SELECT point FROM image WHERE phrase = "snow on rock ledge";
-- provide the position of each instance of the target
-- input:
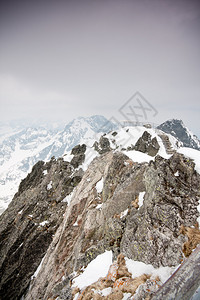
(97, 268)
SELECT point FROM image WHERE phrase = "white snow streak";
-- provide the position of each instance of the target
(49, 186)
(99, 186)
(141, 198)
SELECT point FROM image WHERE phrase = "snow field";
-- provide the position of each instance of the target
(99, 267)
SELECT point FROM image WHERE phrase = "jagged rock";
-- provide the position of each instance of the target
(113, 219)
(79, 156)
(149, 234)
(143, 142)
(148, 289)
(147, 145)
(28, 225)
(102, 146)
(167, 144)
(152, 234)
(79, 149)
(153, 147)
(185, 281)
(97, 229)
(114, 133)
(33, 178)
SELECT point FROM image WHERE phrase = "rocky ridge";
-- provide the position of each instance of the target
(142, 211)
(96, 222)
(31, 220)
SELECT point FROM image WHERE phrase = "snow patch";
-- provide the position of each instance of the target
(45, 172)
(68, 156)
(141, 199)
(44, 223)
(99, 186)
(193, 154)
(138, 156)
(123, 213)
(105, 292)
(68, 198)
(49, 186)
(137, 268)
(127, 296)
(38, 269)
(198, 219)
(99, 206)
(96, 268)
(90, 154)
(76, 296)
(75, 224)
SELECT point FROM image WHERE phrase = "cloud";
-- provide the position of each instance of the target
(18, 99)
(88, 57)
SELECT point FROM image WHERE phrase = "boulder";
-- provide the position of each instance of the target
(79, 155)
(147, 145)
(102, 146)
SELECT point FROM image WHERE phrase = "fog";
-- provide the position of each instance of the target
(63, 59)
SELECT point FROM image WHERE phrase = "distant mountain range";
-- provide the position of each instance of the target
(21, 148)
(113, 218)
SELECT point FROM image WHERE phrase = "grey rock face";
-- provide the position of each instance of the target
(79, 149)
(184, 282)
(32, 218)
(152, 234)
(147, 145)
(112, 220)
(79, 156)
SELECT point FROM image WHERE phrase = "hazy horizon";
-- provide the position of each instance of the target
(64, 59)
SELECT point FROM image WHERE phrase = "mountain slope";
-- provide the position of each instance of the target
(21, 149)
(122, 194)
(119, 205)
(181, 132)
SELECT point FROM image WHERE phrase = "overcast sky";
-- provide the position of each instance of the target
(63, 59)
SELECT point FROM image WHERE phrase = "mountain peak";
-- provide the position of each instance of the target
(177, 128)
(97, 123)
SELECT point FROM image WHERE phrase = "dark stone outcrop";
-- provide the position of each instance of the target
(102, 146)
(147, 145)
(32, 218)
(180, 132)
(33, 179)
(79, 155)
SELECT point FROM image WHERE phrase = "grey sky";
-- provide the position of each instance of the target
(61, 59)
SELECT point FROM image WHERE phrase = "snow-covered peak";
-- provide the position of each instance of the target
(178, 129)
(21, 147)
(95, 123)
